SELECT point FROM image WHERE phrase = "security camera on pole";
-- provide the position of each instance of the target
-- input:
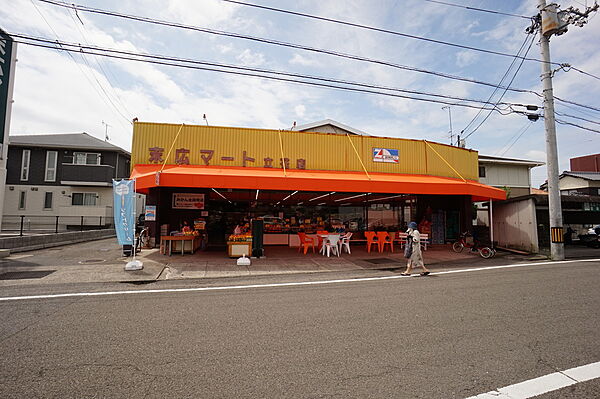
(554, 22)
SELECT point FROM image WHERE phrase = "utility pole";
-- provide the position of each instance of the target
(450, 117)
(554, 23)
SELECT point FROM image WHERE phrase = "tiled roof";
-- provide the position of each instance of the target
(583, 175)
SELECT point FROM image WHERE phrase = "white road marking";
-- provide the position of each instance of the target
(301, 283)
(545, 383)
(15, 257)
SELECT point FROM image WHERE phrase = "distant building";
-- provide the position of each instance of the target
(577, 183)
(329, 126)
(513, 175)
(68, 176)
(588, 163)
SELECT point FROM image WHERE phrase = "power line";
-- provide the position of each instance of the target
(509, 83)
(576, 125)
(283, 44)
(474, 9)
(578, 104)
(297, 46)
(79, 48)
(577, 117)
(517, 139)
(81, 70)
(585, 73)
(497, 87)
(177, 63)
(372, 28)
(98, 61)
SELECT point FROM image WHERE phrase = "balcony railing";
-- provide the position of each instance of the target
(87, 173)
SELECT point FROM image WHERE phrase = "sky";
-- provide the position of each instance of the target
(60, 93)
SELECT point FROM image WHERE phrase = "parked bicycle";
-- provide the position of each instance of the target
(462, 243)
(142, 239)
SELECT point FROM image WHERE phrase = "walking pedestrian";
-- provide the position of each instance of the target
(413, 251)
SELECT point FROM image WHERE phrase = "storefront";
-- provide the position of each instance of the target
(217, 179)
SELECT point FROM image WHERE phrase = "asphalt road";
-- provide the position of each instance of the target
(442, 336)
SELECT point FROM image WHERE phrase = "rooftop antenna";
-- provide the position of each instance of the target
(293, 125)
(205, 120)
(450, 117)
(106, 126)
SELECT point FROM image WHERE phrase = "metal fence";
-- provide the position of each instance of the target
(39, 224)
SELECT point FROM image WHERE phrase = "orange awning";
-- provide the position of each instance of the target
(307, 180)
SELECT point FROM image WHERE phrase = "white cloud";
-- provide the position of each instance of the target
(300, 110)
(249, 58)
(465, 58)
(536, 155)
(211, 13)
(298, 59)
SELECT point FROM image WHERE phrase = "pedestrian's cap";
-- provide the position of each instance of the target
(412, 225)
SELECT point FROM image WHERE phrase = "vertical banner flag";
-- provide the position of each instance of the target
(124, 208)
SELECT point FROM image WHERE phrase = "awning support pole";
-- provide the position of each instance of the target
(491, 225)
(282, 156)
(446, 162)
(171, 149)
(358, 156)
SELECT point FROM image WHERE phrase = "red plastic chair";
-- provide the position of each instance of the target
(383, 237)
(305, 242)
(371, 237)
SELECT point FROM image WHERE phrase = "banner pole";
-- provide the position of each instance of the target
(134, 264)
(134, 220)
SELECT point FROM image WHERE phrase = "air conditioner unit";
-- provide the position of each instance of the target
(11, 188)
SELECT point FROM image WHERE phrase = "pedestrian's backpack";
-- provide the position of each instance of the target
(408, 247)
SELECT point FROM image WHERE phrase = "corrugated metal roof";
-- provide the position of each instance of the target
(80, 141)
(492, 159)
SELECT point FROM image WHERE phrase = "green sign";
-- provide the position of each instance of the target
(6, 49)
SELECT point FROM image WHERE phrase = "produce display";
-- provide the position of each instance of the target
(240, 238)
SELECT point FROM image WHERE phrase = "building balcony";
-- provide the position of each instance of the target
(87, 175)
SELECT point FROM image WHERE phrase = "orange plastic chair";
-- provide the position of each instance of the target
(371, 239)
(305, 242)
(321, 238)
(383, 237)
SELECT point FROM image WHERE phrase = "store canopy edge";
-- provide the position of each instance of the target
(307, 180)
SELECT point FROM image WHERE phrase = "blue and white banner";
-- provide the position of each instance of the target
(124, 208)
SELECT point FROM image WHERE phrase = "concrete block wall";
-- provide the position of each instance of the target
(33, 242)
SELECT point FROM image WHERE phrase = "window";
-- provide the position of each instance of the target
(48, 200)
(25, 165)
(86, 158)
(84, 199)
(482, 171)
(51, 157)
(22, 199)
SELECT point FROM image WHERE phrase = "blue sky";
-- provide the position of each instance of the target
(55, 93)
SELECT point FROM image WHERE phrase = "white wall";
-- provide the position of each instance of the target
(505, 175)
(570, 183)
(515, 225)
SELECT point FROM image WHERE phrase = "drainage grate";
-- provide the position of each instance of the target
(380, 261)
(25, 275)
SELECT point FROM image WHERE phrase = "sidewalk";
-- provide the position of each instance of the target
(101, 261)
